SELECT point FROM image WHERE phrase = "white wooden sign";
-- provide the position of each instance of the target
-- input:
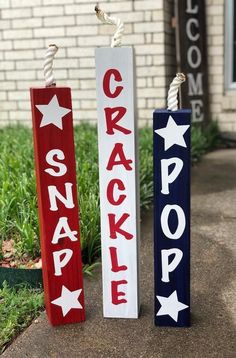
(118, 181)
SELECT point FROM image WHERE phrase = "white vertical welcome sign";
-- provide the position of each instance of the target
(118, 181)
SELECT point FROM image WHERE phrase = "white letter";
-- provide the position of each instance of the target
(166, 267)
(190, 9)
(58, 263)
(190, 35)
(197, 106)
(49, 159)
(181, 221)
(63, 224)
(54, 193)
(167, 179)
(194, 86)
(198, 59)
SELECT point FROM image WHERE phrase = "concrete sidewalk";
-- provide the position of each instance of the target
(213, 331)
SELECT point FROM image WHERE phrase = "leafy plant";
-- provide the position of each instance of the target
(212, 135)
(198, 143)
(18, 206)
(203, 140)
(145, 167)
(18, 306)
(18, 202)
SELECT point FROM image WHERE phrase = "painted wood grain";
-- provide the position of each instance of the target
(118, 168)
(57, 204)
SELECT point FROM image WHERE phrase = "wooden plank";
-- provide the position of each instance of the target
(171, 131)
(191, 52)
(57, 204)
(118, 181)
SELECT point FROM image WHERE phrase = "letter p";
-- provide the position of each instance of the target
(167, 178)
(170, 267)
(60, 263)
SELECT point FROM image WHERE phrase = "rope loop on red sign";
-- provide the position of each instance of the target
(48, 64)
(172, 99)
(103, 17)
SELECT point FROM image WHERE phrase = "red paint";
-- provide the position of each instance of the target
(113, 115)
(118, 151)
(115, 294)
(112, 122)
(114, 261)
(46, 139)
(115, 226)
(110, 192)
(107, 81)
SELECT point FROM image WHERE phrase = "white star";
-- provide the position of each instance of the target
(173, 134)
(68, 300)
(52, 113)
(170, 306)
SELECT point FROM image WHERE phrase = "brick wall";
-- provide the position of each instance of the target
(215, 41)
(170, 51)
(222, 101)
(28, 27)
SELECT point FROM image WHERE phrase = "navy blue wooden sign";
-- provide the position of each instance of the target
(171, 131)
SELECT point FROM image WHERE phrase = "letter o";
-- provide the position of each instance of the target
(181, 221)
(190, 53)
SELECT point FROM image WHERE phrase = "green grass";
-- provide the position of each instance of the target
(18, 206)
(18, 203)
(18, 306)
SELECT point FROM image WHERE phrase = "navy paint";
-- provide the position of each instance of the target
(179, 195)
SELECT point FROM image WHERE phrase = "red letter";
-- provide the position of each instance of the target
(112, 122)
(106, 83)
(115, 227)
(118, 150)
(110, 192)
(115, 293)
(114, 261)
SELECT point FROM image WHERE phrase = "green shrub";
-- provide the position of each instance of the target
(18, 203)
(18, 206)
(203, 140)
(145, 167)
(198, 143)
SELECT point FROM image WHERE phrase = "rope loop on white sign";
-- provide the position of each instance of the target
(47, 66)
(103, 17)
(172, 98)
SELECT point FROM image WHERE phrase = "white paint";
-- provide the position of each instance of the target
(58, 263)
(51, 161)
(52, 113)
(190, 9)
(55, 194)
(181, 221)
(194, 51)
(190, 34)
(68, 300)
(127, 250)
(195, 85)
(67, 232)
(167, 178)
(173, 134)
(197, 107)
(170, 306)
(169, 267)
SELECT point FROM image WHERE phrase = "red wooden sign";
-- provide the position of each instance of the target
(57, 204)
